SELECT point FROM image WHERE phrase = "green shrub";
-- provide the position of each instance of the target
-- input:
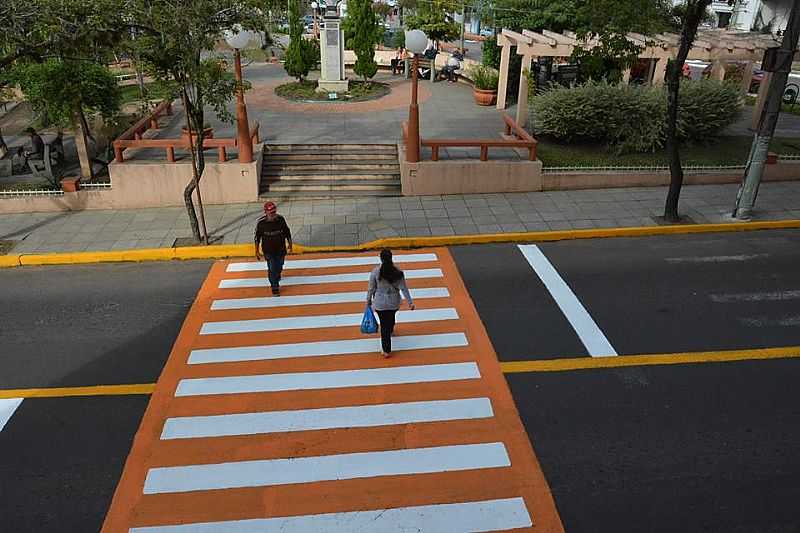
(485, 78)
(632, 118)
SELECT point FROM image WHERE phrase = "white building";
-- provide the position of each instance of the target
(751, 15)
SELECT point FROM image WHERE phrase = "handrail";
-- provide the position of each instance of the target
(148, 122)
(522, 140)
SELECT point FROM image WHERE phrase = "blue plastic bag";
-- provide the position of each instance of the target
(369, 324)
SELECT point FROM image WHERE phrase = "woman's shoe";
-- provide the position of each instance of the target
(386, 355)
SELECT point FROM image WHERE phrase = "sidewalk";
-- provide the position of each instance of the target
(360, 220)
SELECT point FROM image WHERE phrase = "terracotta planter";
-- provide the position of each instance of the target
(483, 97)
(208, 133)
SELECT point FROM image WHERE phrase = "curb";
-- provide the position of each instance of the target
(246, 250)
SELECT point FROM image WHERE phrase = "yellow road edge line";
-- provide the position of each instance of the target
(681, 358)
(508, 367)
(63, 392)
(246, 250)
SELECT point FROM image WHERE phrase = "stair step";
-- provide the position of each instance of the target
(345, 175)
(329, 156)
(338, 148)
(361, 184)
(273, 166)
(322, 195)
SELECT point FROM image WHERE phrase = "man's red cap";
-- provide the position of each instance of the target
(270, 207)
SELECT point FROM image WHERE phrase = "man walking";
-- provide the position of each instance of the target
(272, 234)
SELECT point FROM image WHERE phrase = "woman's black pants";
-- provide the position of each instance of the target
(386, 319)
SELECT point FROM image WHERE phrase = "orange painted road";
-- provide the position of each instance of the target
(278, 414)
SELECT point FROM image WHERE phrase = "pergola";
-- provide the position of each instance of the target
(717, 47)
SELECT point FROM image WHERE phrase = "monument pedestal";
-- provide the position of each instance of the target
(332, 54)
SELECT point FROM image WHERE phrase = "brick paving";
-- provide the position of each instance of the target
(360, 220)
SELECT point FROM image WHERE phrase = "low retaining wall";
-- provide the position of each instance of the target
(468, 176)
(138, 184)
(562, 181)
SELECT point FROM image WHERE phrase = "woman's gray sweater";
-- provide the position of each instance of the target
(385, 296)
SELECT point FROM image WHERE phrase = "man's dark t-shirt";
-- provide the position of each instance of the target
(273, 234)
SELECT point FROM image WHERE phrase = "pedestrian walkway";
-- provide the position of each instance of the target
(360, 220)
(276, 414)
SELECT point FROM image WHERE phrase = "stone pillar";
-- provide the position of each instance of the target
(502, 86)
(660, 71)
(718, 70)
(762, 96)
(332, 54)
(522, 95)
(747, 76)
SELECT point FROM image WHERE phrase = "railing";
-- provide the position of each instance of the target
(523, 140)
(222, 145)
(688, 169)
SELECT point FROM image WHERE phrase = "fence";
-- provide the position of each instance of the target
(522, 140)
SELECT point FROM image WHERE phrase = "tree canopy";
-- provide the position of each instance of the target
(432, 18)
(367, 32)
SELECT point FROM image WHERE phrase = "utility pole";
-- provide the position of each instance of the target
(778, 61)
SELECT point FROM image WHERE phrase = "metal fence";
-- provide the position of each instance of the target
(688, 169)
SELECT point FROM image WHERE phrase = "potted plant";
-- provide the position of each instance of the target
(485, 80)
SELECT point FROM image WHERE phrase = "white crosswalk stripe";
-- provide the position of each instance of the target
(314, 299)
(252, 266)
(243, 283)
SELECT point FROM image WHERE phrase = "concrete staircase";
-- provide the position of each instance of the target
(330, 171)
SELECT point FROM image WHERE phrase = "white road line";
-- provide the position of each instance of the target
(715, 258)
(420, 273)
(361, 416)
(331, 262)
(337, 379)
(7, 408)
(767, 322)
(579, 318)
(315, 349)
(491, 515)
(315, 299)
(776, 296)
(320, 321)
(272, 472)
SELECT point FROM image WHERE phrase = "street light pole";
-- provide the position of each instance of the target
(412, 150)
(243, 126)
(416, 41)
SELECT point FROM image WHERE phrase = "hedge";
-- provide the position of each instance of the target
(632, 118)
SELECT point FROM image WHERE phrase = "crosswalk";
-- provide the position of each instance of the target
(277, 414)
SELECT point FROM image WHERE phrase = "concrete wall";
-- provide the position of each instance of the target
(784, 171)
(468, 176)
(137, 184)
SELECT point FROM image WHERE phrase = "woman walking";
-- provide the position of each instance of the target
(385, 284)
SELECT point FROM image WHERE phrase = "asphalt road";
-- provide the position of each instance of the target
(709, 447)
(61, 458)
(705, 447)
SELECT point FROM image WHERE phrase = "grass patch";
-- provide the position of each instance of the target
(307, 91)
(152, 91)
(6, 246)
(722, 151)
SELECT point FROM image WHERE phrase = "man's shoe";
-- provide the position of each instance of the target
(276, 291)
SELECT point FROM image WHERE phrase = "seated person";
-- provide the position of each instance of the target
(57, 147)
(398, 61)
(453, 64)
(37, 145)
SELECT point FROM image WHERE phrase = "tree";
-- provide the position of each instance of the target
(432, 18)
(64, 91)
(691, 14)
(173, 38)
(368, 32)
(83, 32)
(301, 54)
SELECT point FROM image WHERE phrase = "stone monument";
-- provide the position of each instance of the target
(332, 78)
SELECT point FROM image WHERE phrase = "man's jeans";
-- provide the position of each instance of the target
(275, 265)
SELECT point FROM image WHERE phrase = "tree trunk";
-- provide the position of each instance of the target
(81, 128)
(694, 14)
(190, 187)
(3, 145)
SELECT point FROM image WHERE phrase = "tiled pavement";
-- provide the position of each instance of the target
(353, 221)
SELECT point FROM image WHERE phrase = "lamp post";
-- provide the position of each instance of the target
(237, 40)
(416, 42)
(314, 8)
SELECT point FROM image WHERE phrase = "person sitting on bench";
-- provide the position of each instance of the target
(398, 62)
(36, 153)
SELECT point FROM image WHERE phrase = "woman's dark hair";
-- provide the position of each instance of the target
(389, 271)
